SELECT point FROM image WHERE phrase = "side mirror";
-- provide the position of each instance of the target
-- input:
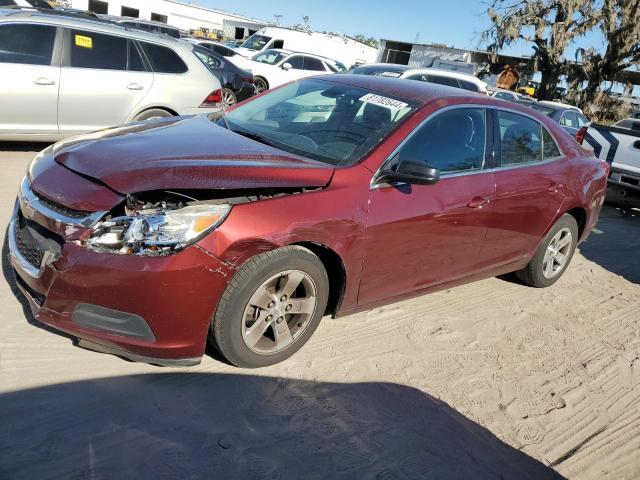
(287, 66)
(411, 172)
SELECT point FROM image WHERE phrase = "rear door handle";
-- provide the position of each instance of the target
(478, 202)
(43, 81)
(135, 86)
(554, 187)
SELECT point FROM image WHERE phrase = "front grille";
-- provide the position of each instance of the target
(56, 207)
(33, 240)
(28, 249)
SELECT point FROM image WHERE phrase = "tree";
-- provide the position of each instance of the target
(619, 22)
(549, 25)
(371, 41)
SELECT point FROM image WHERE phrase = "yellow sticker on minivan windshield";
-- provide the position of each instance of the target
(84, 42)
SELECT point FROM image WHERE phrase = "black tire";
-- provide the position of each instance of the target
(261, 85)
(533, 273)
(152, 113)
(227, 322)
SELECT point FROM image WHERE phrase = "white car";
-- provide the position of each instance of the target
(275, 67)
(64, 74)
(560, 105)
(431, 75)
(511, 96)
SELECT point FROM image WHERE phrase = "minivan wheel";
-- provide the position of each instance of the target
(553, 255)
(151, 114)
(228, 98)
(271, 307)
(261, 85)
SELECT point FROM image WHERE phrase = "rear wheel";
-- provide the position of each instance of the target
(228, 98)
(271, 307)
(151, 114)
(261, 85)
(553, 255)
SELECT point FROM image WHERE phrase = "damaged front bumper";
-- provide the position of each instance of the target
(151, 309)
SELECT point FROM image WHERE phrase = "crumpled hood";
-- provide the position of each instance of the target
(184, 153)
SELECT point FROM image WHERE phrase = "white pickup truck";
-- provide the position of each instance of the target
(619, 145)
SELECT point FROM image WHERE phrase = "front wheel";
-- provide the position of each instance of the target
(553, 255)
(271, 307)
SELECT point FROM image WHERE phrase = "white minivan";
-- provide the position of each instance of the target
(343, 49)
(62, 75)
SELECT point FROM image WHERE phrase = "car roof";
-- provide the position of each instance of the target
(388, 67)
(57, 18)
(447, 73)
(422, 92)
(559, 105)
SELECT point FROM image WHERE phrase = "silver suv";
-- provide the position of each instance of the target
(66, 74)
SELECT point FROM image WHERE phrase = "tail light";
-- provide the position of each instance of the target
(580, 135)
(212, 99)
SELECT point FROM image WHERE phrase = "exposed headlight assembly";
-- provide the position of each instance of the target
(157, 231)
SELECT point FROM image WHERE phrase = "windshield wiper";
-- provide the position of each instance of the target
(253, 136)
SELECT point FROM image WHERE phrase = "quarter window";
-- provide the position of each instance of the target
(569, 119)
(520, 139)
(452, 141)
(27, 44)
(549, 147)
(163, 59)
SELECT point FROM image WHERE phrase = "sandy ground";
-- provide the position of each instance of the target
(488, 380)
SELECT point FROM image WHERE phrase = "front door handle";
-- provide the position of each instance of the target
(478, 202)
(554, 187)
(43, 81)
(135, 86)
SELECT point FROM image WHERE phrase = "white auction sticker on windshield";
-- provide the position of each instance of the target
(381, 101)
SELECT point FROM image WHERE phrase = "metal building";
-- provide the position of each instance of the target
(185, 16)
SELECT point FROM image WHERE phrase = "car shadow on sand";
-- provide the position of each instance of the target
(615, 243)
(202, 425)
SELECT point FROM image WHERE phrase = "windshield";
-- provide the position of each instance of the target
(256, 42)
(331, 122)
(270, 57)
(210, 60)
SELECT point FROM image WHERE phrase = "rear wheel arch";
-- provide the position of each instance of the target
(580, 214)
(170, 111)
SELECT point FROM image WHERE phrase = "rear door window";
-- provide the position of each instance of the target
(163, 59)
(296, 62)
(452, 141)
(97, 50)
(136, 64)
(472, 87)
(26, 44)
(520, 139)
(311, 63)
(441, 80)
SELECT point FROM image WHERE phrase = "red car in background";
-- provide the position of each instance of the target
(326, 196)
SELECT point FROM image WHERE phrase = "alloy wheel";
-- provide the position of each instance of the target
(557, 254)
(279, 311)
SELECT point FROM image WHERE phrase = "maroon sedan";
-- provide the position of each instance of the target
(324, 197)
